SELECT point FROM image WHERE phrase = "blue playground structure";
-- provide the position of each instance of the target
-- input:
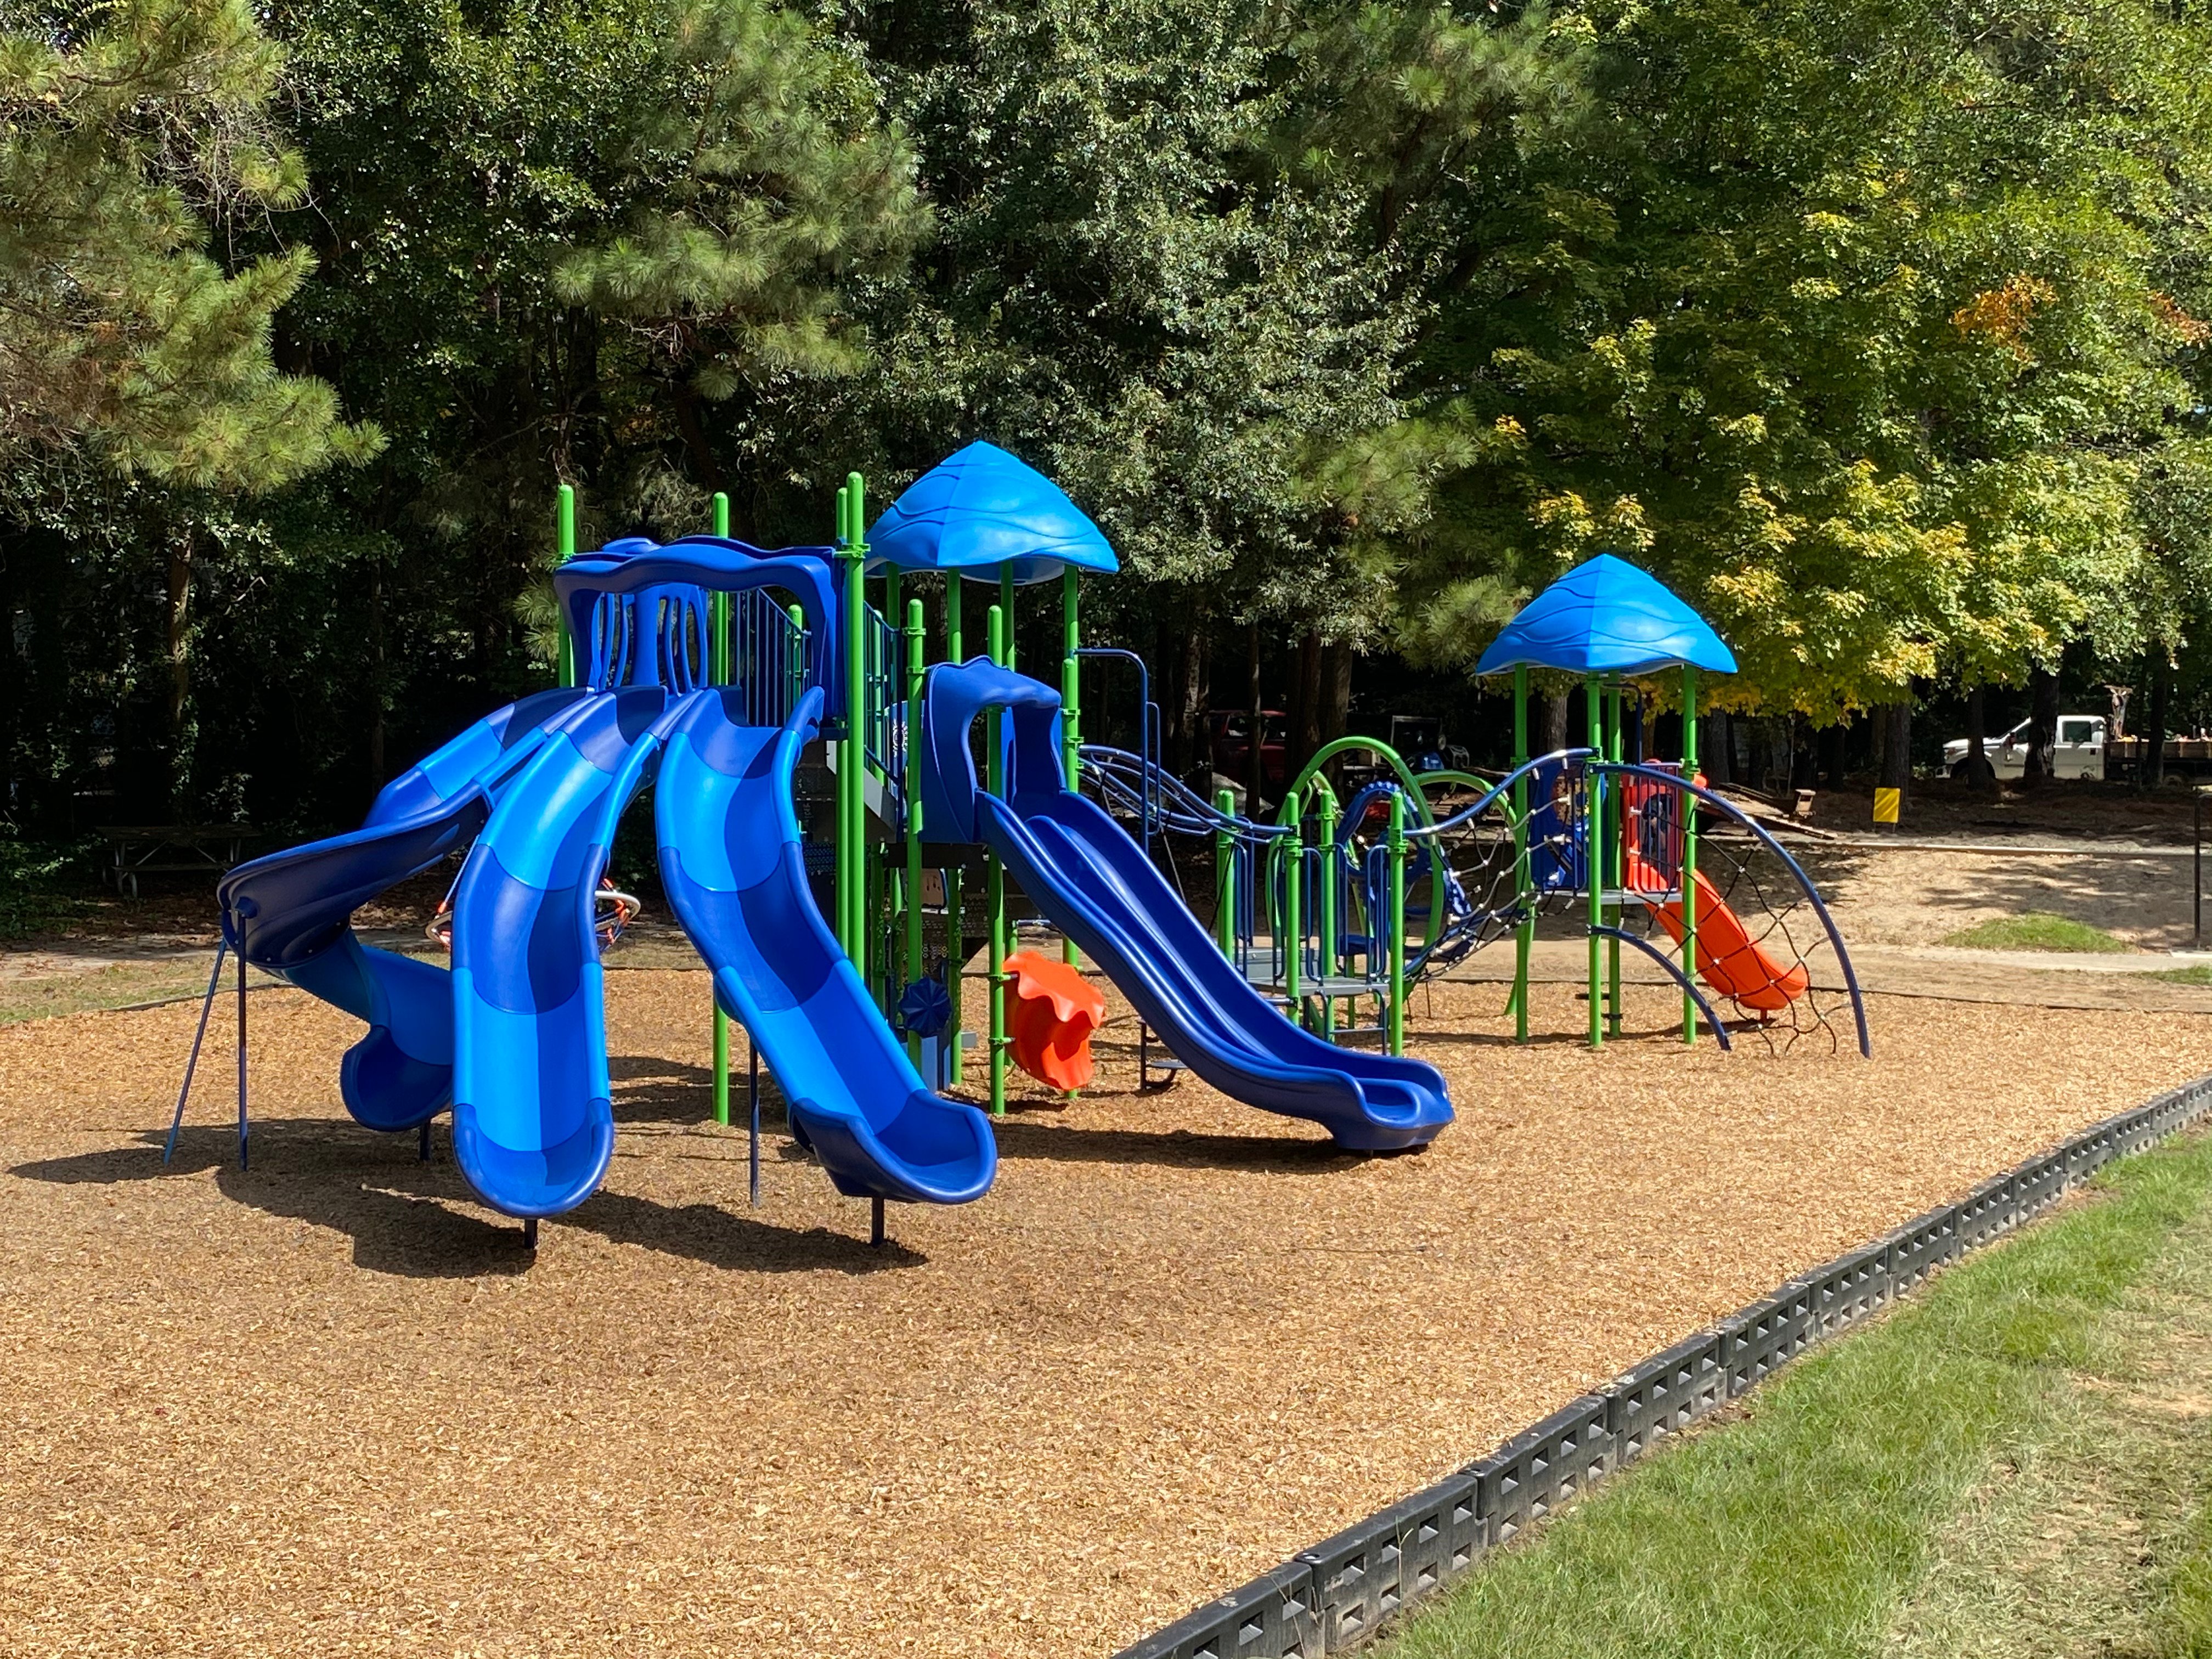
(811, 773)
(1375, 878)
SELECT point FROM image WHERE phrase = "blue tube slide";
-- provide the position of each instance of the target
(731, 862)
(289, 914)
(1082, 870)
(533, 1125)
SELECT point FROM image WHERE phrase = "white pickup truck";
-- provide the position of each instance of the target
(2078, 753)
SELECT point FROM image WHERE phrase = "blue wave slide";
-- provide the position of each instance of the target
(1093, 882)
(290, 913)
(730, 863)
(533, 1120)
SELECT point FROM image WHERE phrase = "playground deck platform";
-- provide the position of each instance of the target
(329, 1406)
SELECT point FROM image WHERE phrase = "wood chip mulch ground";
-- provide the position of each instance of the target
(331, 1407)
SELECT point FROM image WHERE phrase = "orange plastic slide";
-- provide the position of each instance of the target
(1729, 960)
(1055, 1012)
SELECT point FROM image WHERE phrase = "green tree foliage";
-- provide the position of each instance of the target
(1841, 317)
(127, 129)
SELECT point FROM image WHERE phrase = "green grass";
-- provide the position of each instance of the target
(2036, 930)
(1809, 1527)
(2199, 974)
(40, 884)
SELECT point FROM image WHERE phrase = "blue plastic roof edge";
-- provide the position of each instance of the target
(981, 509)
(1607, 616)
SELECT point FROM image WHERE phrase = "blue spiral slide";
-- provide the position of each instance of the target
(730, 863)
(290, 914)
(1081, 870)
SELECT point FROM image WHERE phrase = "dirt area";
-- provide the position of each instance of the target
(2069, 807)
(329, 1407)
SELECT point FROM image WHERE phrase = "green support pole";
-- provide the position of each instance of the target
(564, 544)
(718, 673)
(1325, 830)
(1689, 851)
(1616, 827)
(1524, 931)
(1225, 882)
(852, 760)
(1290, 931)
(916, 644)
(956, 930)
(994, 888)
(1594, 852)
(1397, 1033)
(1071, 708)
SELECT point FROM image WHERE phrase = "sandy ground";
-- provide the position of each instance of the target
(329, 1407)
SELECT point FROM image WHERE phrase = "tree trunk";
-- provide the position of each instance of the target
(1895, 766)
(1184, 699)
(1551, 722)
(1831, 754)
(2043, 727)
(1980, 774)
(1305, 706)
(178, 638)
(1335, 696)
(1717, 749)
(379, 688)
(2153, 727)
(1255, 742)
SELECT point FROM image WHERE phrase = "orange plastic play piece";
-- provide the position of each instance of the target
(1055, 1012)
(1729, 960)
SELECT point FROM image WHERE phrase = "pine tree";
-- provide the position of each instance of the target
(127, 128)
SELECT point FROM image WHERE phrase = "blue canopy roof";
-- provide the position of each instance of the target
(1605, 616)
(982, 508)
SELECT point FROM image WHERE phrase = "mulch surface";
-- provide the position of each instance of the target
(329, 1407)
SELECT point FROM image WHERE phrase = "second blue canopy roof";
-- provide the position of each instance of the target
(1607, 616)
(982, 508)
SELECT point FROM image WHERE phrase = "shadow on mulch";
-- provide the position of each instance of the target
(398, 1212)
(1172, 1148)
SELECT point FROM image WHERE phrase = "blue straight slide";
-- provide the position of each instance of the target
(289, 914)
(1082, 870)
(533, 1122)
(731, 862)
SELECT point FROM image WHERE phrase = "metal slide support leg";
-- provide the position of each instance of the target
(876, 1222)
(752, 1146)
(241, 1059)
(529, 1234)
(192, 1065)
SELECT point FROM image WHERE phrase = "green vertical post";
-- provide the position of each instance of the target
(916, 646)
(1524, 885)
(718, 673)
(1397, 957)
(1224, 877)
(1326, 834)
(956, 930)
(1290, 927)
(994, 887)
(1593, 851)
(1070, 707)
(564, 546)
(852, 760)
(1616, 828)
(1689, 882)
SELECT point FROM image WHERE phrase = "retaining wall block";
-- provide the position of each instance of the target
(1669, 1391)
(1765, 1335)
(2087, 1153)
(1921, 1246)
(1273, 1617)
(1533, 1473)
(1986, 1212)
(1848, 1289)
(2133, 1131)
(1359, 1579)
(2037, 1184)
